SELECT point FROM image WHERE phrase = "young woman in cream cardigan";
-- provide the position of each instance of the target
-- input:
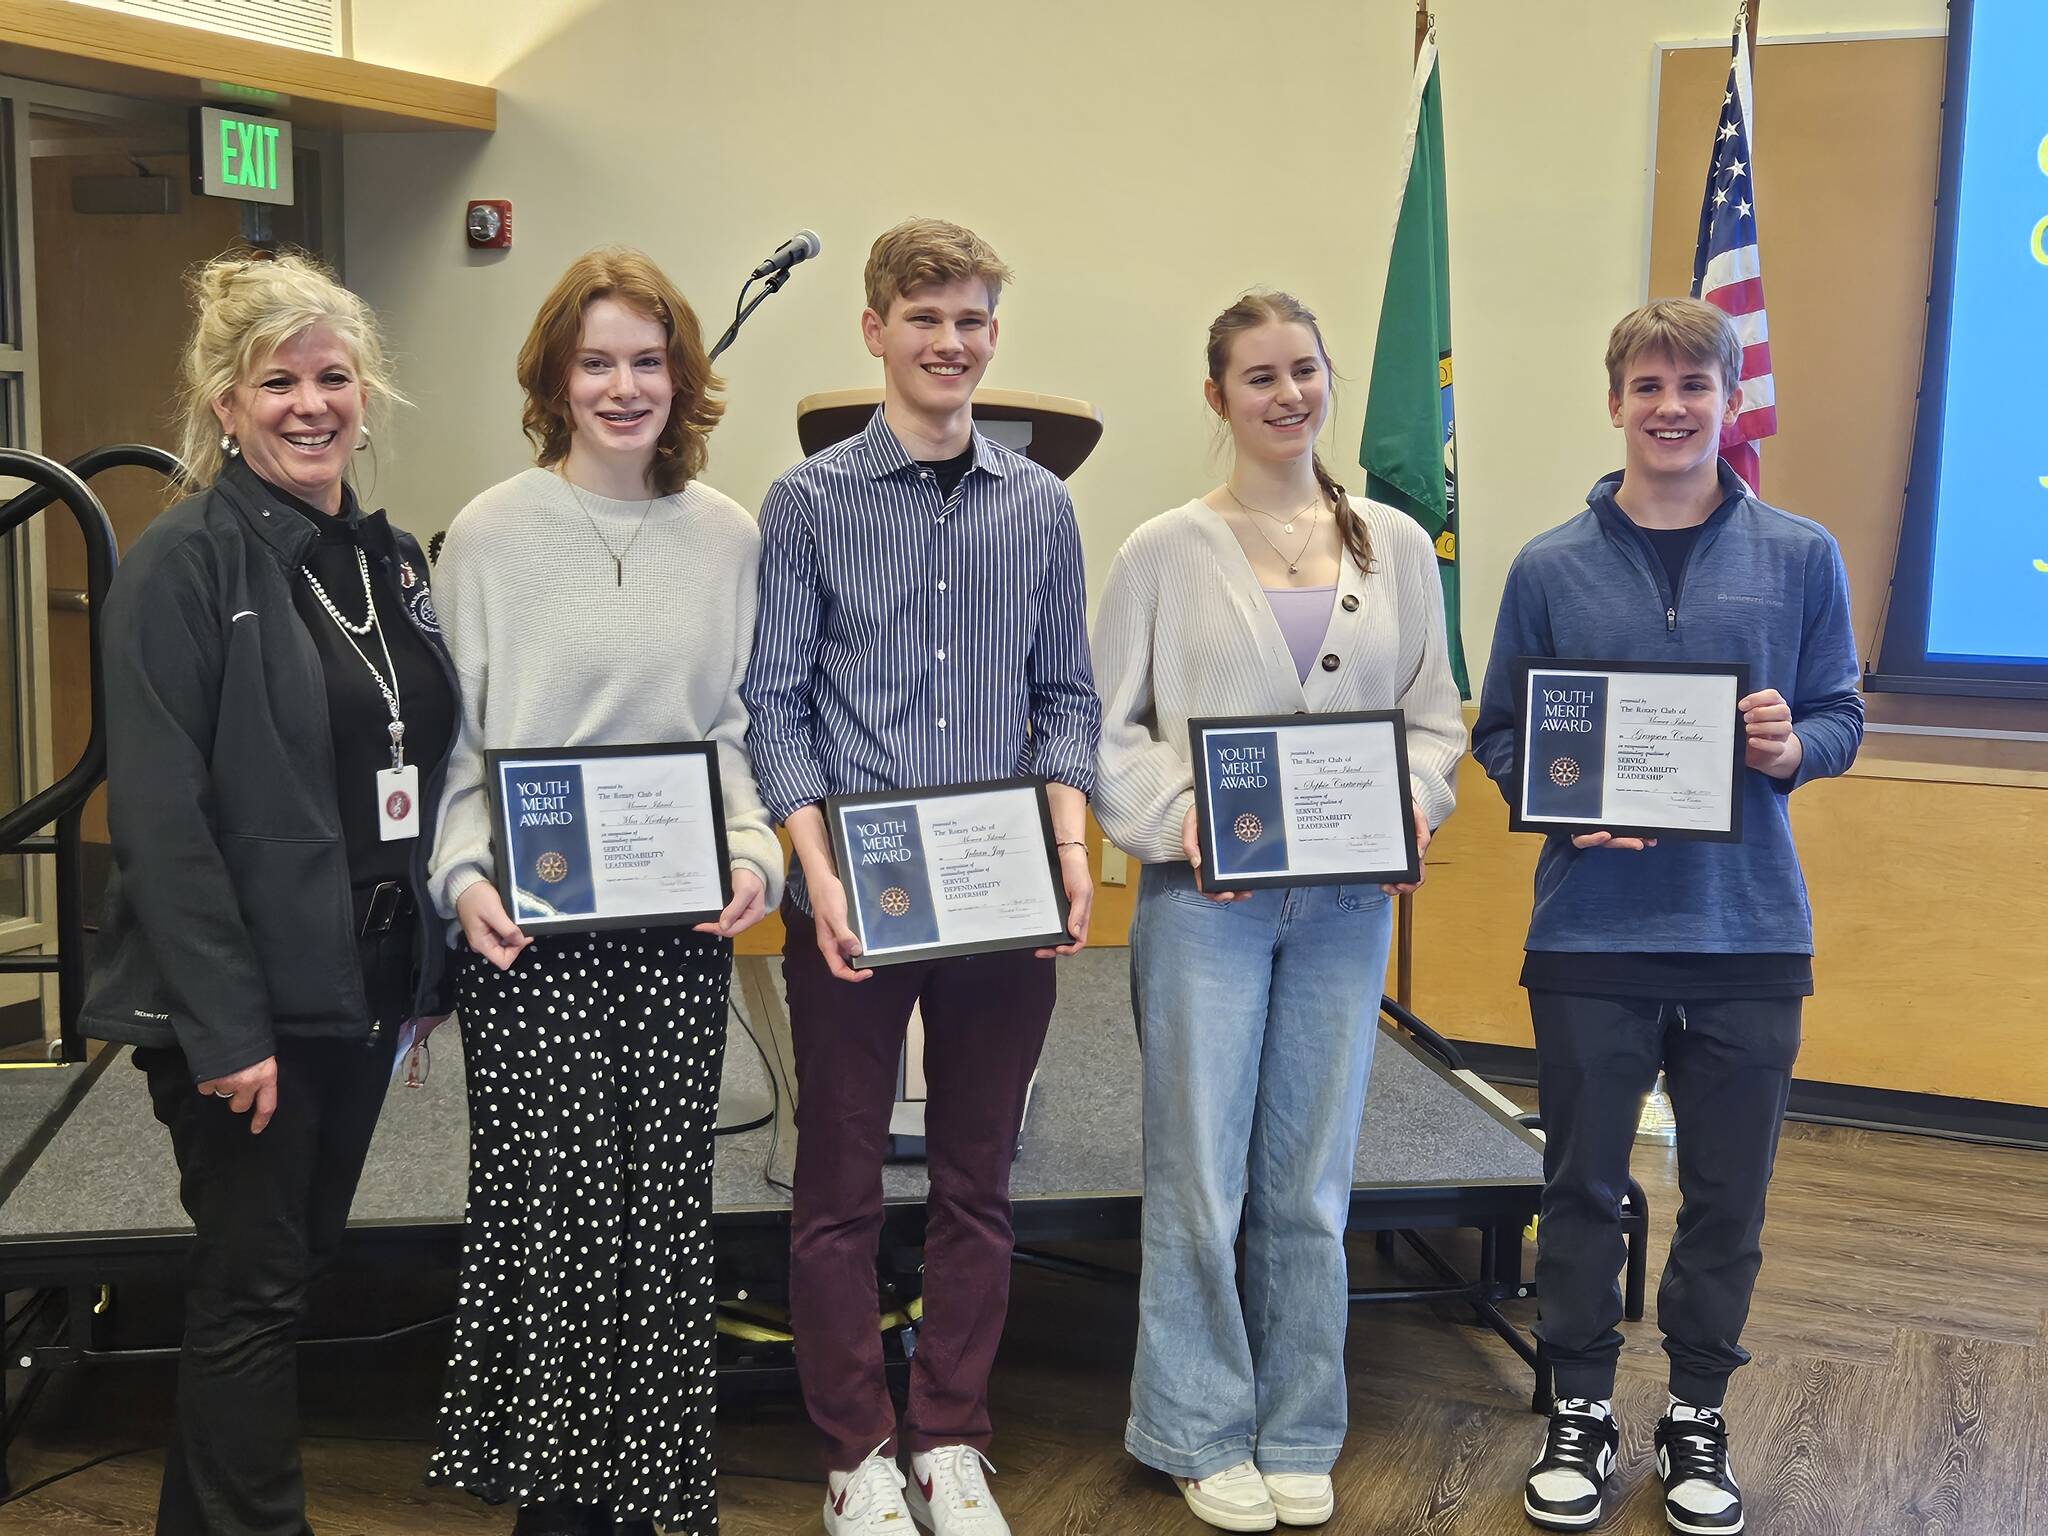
(1275, 593)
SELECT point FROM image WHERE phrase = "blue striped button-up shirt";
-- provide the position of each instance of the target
(905, 639)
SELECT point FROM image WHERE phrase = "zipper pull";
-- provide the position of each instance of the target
(1670, 621)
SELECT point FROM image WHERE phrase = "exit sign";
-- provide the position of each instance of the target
(241, 155)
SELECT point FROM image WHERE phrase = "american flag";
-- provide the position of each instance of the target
(1726, 271)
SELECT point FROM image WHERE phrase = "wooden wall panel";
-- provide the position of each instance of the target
(1930, 930)
(1930, 903)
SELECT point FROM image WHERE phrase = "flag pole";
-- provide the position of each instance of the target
(1750, 11)
(1404, 906)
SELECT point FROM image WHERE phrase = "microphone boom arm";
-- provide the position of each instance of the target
(742, 309)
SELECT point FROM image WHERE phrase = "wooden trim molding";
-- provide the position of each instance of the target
(86, 47)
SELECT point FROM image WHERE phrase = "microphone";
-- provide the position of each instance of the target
(801, 246)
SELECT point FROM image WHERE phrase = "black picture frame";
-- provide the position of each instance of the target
(1200, 728)
(836, 807)
(1518, 821)
(498, 759)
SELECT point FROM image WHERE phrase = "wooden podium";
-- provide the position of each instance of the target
(1052, 430)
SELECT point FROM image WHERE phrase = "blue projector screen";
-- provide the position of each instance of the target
(1990, 591)
(1970, 594)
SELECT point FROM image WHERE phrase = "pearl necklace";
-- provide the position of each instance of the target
(333, 612)
(392, 702)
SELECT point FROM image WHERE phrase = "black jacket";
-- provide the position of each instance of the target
(229, 920)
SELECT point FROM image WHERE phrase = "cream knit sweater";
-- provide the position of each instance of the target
(552, 652)
(1184, 631)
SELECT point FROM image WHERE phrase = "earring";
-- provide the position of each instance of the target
(363, 441)
(229, 446)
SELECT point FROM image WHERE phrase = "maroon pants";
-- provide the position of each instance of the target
(984, 1021)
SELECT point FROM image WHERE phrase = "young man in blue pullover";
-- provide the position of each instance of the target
(1689, 956)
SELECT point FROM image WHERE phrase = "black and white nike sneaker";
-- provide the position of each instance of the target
(1568, 1482)
(1700, 1495)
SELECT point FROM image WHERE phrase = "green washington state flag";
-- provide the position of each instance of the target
(1410, 449)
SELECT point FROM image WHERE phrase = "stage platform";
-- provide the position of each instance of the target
(104, 1182)
(34, 1097)
(91, 1198)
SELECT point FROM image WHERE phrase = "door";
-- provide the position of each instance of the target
(101, 228)
(111, 321)
(27, 884)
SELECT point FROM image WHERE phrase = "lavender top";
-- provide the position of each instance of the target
(1303, 614)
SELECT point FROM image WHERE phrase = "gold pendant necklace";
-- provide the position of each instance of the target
(1289, 520)
(1293, 564)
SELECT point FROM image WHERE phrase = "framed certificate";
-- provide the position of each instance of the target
(1640, 749)
(609, 837)
(960, 870)
(1303, 800)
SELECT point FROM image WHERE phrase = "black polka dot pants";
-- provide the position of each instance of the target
(583, 1359)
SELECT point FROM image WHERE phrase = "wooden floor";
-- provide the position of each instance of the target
(1900, 1385)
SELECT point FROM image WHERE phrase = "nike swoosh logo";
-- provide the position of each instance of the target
(924, 1486)
(246, 613)
(839, 1500)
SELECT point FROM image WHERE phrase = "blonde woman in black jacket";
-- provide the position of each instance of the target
(279, 714)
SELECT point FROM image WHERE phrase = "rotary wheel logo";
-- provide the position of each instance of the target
(552, 867)
(1564, 772)
(896, 901)
(1247, 828)
(398, 805)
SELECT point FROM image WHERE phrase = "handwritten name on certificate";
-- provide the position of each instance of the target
(652, 821)
(989, 869)
(1671, 753)
(1346, 801)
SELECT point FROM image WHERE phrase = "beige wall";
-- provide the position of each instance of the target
(1137, 161)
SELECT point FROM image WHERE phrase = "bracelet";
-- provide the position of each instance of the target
(1071, 843)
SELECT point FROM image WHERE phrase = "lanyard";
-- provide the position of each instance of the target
(350, 631)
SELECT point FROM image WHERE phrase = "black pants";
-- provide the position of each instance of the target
(1728, 1065)
(270, 1211)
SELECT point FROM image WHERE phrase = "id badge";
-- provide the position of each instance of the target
(398, 803)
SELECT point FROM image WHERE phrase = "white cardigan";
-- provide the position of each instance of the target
(1184, 630)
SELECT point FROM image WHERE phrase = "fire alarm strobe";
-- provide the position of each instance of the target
(489, 224)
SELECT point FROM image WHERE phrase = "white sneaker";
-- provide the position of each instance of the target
(1234, 1499)
(1301, 1498)
(948, 1495)
(868, 1501)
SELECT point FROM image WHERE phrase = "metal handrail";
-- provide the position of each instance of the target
(1426, 1037)
(64, 801)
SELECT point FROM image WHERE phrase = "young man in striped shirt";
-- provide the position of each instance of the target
(922, 622)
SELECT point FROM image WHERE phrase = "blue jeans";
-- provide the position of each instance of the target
(1257, 1020)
